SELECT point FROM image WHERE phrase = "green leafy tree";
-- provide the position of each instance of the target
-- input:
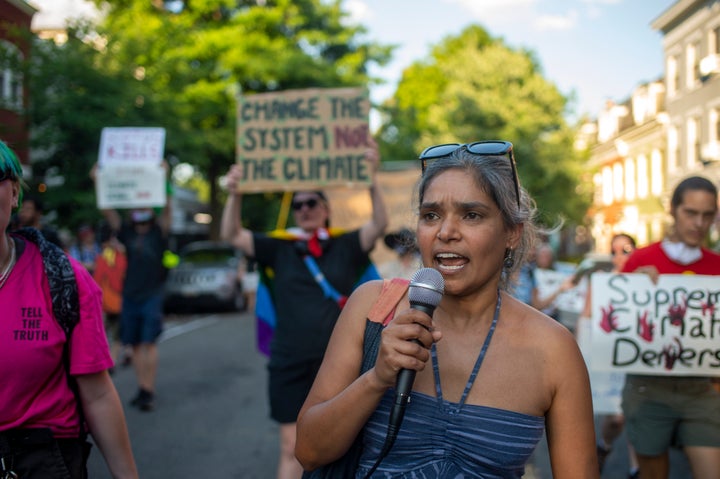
(71, 100)
(192, 62)
(474, 87)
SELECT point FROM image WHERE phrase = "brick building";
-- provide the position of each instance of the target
(15, 18)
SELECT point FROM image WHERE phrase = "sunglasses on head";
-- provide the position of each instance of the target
(479, 148)
(310, 203)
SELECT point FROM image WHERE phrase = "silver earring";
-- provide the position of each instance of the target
(509, 260)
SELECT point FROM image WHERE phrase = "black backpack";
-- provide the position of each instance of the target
(61, 278)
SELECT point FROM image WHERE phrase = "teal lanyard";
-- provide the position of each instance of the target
(321, 280)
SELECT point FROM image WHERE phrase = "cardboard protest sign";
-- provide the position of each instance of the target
(130, 173)
(303, 139)
(671, 328)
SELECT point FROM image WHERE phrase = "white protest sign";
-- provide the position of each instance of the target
(548, 281)
(671, 328)
(124, 145)
(131, 186)
(606, 386)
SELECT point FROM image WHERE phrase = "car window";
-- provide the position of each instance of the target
(208, 256)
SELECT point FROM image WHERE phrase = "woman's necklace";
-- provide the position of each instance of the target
(9, 265)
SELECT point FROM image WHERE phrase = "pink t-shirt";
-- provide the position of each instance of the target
(33, 385)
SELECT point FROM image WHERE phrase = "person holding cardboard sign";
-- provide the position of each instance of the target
(622, 245)
(664, 411)
(307, 272)
(144, 234)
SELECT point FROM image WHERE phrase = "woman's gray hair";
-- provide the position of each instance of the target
(494, 176)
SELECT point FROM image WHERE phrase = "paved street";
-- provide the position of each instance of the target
(212, 420)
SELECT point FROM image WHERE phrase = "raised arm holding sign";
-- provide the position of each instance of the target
(306, 272)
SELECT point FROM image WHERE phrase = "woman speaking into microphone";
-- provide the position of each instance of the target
(492, 373)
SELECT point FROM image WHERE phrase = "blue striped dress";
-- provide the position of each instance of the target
(441, 439)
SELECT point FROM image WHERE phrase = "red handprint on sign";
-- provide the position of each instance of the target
(609, 320)
(671, 353)
(647, 328)
(677, 313)
(708, 308)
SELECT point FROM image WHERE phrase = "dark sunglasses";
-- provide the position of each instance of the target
(311, 203)
(479, 148)
(7, 175)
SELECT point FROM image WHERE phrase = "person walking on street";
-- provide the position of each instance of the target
(665, 411)
(30, 215)
(622, 245)
(305, 313)
(546, 290)
(109, 274)
(145, 238)
(55, 383)
(407, 260)
(492, 373)
(87, 249)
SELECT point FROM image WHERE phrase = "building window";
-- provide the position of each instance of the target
(656, 173)
(673, 75)
(714, 41)
(607, 186)
(673, 149)
(618, 178)
(642, 177)
(11, 84)
(692, 64)
(629, 179)
(693, 142)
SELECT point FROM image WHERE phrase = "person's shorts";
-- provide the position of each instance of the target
(35, 454)
(664, 411)
(141, 321)
(289, 385)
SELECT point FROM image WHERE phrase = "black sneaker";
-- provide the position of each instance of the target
(145, 400)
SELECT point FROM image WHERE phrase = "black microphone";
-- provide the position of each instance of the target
(425, 292)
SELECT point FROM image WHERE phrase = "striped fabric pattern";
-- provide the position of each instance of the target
(448, 441)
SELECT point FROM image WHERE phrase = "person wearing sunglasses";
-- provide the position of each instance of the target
(664, 411)
(305, 309)
(55, 383)
(492, 373)
(622, 245)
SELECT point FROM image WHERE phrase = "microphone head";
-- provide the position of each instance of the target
(426, 287)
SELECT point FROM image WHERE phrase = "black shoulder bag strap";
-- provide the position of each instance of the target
(65, 299)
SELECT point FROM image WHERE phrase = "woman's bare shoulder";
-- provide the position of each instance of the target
(536, 325)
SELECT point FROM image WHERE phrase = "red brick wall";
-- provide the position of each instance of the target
(13, 124)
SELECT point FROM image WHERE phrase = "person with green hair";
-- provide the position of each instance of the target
(55, 384)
